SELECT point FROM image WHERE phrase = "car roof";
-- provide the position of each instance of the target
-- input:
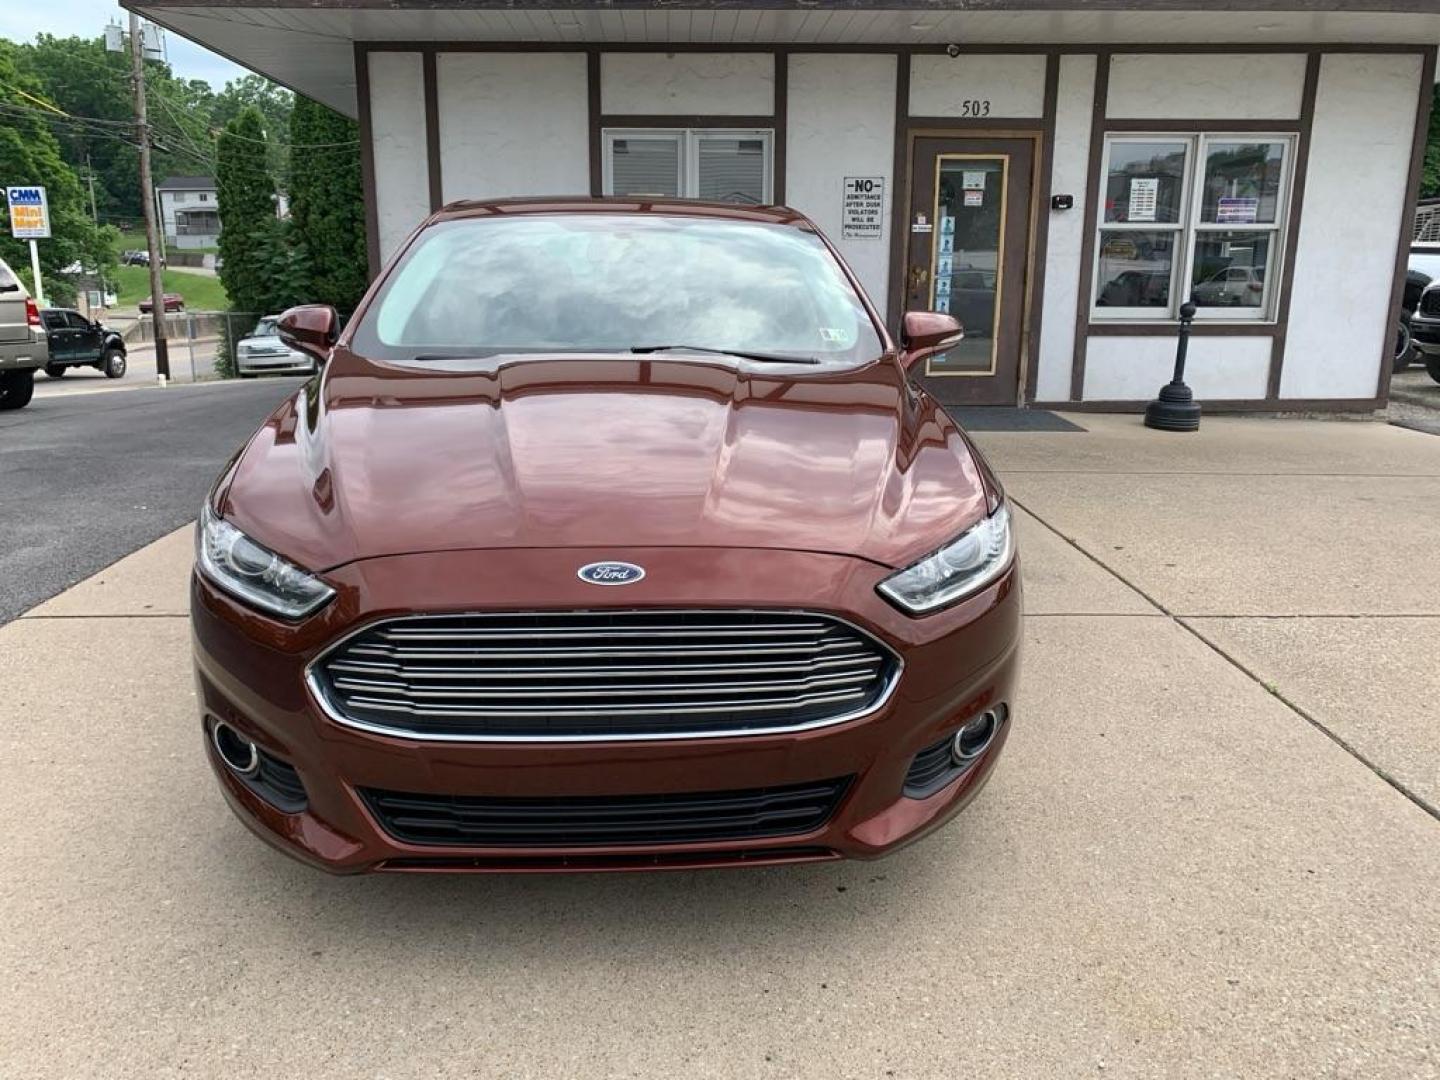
(771, 215)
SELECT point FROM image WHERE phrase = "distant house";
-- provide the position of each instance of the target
(189, 209)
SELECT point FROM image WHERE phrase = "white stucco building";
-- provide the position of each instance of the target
(1060, 174)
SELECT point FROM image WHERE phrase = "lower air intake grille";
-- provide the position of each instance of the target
(483, 821)
(931, 770)
(604, 674)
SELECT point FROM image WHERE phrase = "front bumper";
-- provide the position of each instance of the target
(250, 673)
(294, 363)
(1425, 333)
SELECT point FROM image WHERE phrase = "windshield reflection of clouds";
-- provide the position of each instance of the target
(610, 282)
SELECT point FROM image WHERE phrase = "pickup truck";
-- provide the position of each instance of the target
(23, 347)
(75, 341)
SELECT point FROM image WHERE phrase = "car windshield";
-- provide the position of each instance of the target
(614, 282)
(266, 328)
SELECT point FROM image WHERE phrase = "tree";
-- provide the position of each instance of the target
(30, 154)
(274, 104)
(92, 86)
(327, 203)
(246, 189)
(1430, 177)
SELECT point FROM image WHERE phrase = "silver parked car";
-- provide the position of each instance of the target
(263, 353)
(23, 346)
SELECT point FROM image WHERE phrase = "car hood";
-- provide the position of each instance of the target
(600, 452)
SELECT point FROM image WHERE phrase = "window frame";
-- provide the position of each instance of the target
(1190, 229)
(689, 139)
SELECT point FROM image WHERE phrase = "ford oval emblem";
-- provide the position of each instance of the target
(611, 573)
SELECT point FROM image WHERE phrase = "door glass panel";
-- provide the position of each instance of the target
(645, 166)
(968, 263)
(732, 170)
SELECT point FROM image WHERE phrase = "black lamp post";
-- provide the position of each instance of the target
(1175, 409)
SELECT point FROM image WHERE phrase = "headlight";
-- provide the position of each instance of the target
(963, 566)
(255, 574)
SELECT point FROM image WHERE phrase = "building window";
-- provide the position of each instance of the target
(1192, 215)
(204, 197)
(720, 165)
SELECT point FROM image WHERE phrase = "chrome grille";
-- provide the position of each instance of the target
(604, 674)
(1430, 303)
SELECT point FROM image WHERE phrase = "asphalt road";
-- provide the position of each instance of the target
(87, 478)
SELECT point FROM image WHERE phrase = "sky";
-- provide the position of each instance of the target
(21, 20)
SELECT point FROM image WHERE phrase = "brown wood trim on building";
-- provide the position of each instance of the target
(899, 196)
(1169, 127)
(987, 125)
(1017, 49)
(1224, 405)
(689, 120)
(1298, 177)
(1040, 234)
(781, 106)
(1094, 197)
(432, 130)
(367, 162)
(1170, 329)
(1407, 208)
(597, 150)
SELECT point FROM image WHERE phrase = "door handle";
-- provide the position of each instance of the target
(919, 278)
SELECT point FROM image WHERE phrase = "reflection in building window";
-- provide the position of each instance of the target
(723, 166)
(1191, 216)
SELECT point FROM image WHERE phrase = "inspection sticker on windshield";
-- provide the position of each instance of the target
(831, 334)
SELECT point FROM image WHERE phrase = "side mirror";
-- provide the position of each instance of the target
(926, 333)
(313, 329)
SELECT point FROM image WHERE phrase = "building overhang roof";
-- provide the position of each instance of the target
(309, 45)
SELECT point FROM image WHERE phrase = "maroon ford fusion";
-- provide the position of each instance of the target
(612, 535)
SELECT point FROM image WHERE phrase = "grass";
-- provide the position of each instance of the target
(201, 293)
(135, 241)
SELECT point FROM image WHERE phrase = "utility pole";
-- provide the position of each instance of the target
(95, 217)
(147, 197)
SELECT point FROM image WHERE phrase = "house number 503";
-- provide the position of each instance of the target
(975, 107)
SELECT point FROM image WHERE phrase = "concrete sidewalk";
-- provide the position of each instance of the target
(1211, 849)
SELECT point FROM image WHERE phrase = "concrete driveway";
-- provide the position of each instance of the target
(1211, 850)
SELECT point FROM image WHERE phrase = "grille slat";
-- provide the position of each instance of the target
(486, 821)
(623, 652)
(613, 690)
(390, 667)
(692, 708)
(604, 674)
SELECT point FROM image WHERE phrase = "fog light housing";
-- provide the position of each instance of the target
(975, 737)
(238, 752)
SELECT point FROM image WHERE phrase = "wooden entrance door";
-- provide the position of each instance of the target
(969, 243)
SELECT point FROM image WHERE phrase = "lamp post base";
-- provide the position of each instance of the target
(1174, 410)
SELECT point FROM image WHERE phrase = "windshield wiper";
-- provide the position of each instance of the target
(758, 357)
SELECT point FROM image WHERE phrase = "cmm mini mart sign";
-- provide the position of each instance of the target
(29, 213)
